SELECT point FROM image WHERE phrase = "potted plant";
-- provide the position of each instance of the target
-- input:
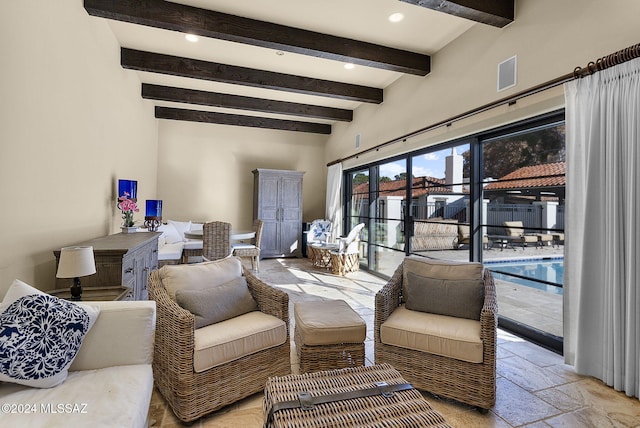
(128, 207)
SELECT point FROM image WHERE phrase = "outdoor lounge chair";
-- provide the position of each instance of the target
(515, 232)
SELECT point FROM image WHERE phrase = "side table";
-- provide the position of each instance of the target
(96, 293)
(320, 254)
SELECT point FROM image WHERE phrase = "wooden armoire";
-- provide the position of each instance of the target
(277, 201)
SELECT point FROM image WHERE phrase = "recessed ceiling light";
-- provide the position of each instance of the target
(349, 66)
(191, 37)
(396, 17)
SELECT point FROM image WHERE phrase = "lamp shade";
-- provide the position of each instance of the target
(128, 186)
(153, 208)
(75, 262)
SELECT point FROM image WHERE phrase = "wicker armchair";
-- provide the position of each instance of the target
(216, 240)
(194, 394)
(473, 383)
(251, 250)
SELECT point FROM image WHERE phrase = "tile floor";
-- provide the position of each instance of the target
(534, 387)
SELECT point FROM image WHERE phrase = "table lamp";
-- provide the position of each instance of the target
(74, 263)
(153, 214)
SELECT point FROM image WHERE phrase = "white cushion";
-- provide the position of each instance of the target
(171, 251)
(181, 227)
(193, 244)
(40, 335)
(200, 275)
(122, 335)
(240, 246)
(457, 338)
(197, 226)
(170, 233)
(110, 397)
(235, 338)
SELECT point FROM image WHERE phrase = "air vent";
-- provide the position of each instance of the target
(507, 74)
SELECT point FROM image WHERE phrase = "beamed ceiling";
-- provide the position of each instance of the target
(279, 64)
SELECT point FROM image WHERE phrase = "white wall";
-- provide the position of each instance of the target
(204, 170)
(550, 39)
(71, 123)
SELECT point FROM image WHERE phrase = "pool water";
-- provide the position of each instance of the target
(543, 274)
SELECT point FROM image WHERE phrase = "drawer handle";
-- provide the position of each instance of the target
(128, 270)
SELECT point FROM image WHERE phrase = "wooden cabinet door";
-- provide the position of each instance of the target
(269, 210)
(290, 215)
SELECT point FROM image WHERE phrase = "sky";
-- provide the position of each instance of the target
(430, 164)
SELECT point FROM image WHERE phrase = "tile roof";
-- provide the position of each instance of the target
(545, 175)
(421, 186)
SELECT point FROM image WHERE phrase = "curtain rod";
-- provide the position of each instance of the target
(600, 64)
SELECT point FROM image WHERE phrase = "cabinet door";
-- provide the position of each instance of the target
(291, 215)
(142, 273)
(129, 274)
(269, 212)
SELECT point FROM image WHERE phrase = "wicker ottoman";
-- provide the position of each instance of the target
(363, 401)
(328, 335)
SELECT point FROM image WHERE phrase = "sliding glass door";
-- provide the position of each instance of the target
(495, 197)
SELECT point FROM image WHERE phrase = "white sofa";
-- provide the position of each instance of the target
(110, 380)
(173, 245)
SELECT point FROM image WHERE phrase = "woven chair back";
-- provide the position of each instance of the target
(216, 240)
(257, 226)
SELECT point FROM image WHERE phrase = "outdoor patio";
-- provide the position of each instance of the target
(537, 308)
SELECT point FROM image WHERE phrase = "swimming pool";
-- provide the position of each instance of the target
(544, 274)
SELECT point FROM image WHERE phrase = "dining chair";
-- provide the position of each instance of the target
(252, 249)
(216, 240)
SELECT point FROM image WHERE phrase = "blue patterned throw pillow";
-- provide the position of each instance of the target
(40, 336)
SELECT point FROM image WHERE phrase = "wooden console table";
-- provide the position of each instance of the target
(96, 293)
(123, 258)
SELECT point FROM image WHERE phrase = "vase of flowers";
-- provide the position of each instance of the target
(128, 207)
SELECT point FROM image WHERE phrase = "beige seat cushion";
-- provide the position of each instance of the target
(328, 322)
(200, 275)
(457, 338)
(235, 338)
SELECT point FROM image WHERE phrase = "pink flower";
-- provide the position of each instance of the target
(128, 207)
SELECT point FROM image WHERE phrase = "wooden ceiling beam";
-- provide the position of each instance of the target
(215, 99)
(492, 12)
(198, 69)
(240, 120)
(208, 23)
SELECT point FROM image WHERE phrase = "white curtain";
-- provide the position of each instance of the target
(602, 257)
(334, 199)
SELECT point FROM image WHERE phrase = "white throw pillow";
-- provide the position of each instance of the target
(40, 335)
(181, 227)
(170, 233)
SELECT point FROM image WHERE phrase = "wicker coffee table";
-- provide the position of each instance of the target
(403, 408)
